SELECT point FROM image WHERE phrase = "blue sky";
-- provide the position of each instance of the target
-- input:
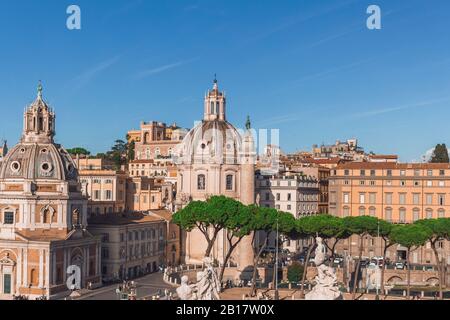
(310, 68)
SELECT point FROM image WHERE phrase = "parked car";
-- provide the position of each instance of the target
(400, 265)
(338, 260)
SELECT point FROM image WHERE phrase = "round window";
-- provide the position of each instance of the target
(70, 168)
(44, 150)
(203, 146)
(22, 150)
(46, 167)
(15, 166)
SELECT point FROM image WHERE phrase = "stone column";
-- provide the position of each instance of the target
(247, 193)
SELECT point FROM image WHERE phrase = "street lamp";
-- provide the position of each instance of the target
(276, 297)
(377, 297)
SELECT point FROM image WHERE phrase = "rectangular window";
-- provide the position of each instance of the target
(9, 218)
(363, 172)
(389, 173)
(346, 198)
(442, 172)
(278, 197)
(96, 194)
(441, 183)
(108, 194)
(372, 198)
(289, 197)
(429, 199)
(388, 198)
(416, 198)
(362, 198)
(402, 173)
(441, 199)
(416, 172)
(346, 172)
(372, 173)
(430, 173)
(402, 198)
(229, 182)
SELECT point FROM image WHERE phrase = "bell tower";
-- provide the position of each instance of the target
(215, 103)
(38, 121)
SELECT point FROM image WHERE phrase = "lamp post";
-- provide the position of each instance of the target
(276, 266)
(377, 297)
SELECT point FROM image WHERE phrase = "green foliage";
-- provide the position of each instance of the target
(410, 235)
(295, 272)
(78, 151)
(440, 154)
(193, 214)
(362, 225)
(440, 228)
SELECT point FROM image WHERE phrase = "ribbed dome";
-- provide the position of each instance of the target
(214, 141)
(37, 156)
(38, 161)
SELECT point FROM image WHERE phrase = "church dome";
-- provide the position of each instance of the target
(36, 156)
(38, 161)
(215, 141)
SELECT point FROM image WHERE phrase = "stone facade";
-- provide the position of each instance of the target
(215, 159)
(43, 214)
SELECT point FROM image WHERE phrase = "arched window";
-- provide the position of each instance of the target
(76, 217)
(346, 212)
(33, 280)
(229, 182)
(45, 216)
(402, 215)
(41, 124)
(362, 211)
(372, 211)
(388, 214)
(429, 213)
(201, 182)
(416, 214)
(441, 213)
(212, 107)
(146, 137)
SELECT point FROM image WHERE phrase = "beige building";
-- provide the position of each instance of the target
(133, 244)
(105, 189)
(294, 193)
(399, 193)
(43, 215)
(156, 140)
(144, 194)
(173, 238)
(215, 159)
(162, 168)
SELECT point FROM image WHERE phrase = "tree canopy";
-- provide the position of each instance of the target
(440, 154)
(79, 151)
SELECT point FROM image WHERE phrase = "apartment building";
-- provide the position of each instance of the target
(398, 193)
(133, 244)
(105, 189)
(144, 194)
(295, 193)
(156, 140)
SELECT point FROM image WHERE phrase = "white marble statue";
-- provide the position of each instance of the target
(185, 291)
(206, 288)
(326, 287)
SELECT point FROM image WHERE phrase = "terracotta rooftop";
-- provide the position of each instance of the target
(392, 165)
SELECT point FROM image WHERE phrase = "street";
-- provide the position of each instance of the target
(146, 286)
